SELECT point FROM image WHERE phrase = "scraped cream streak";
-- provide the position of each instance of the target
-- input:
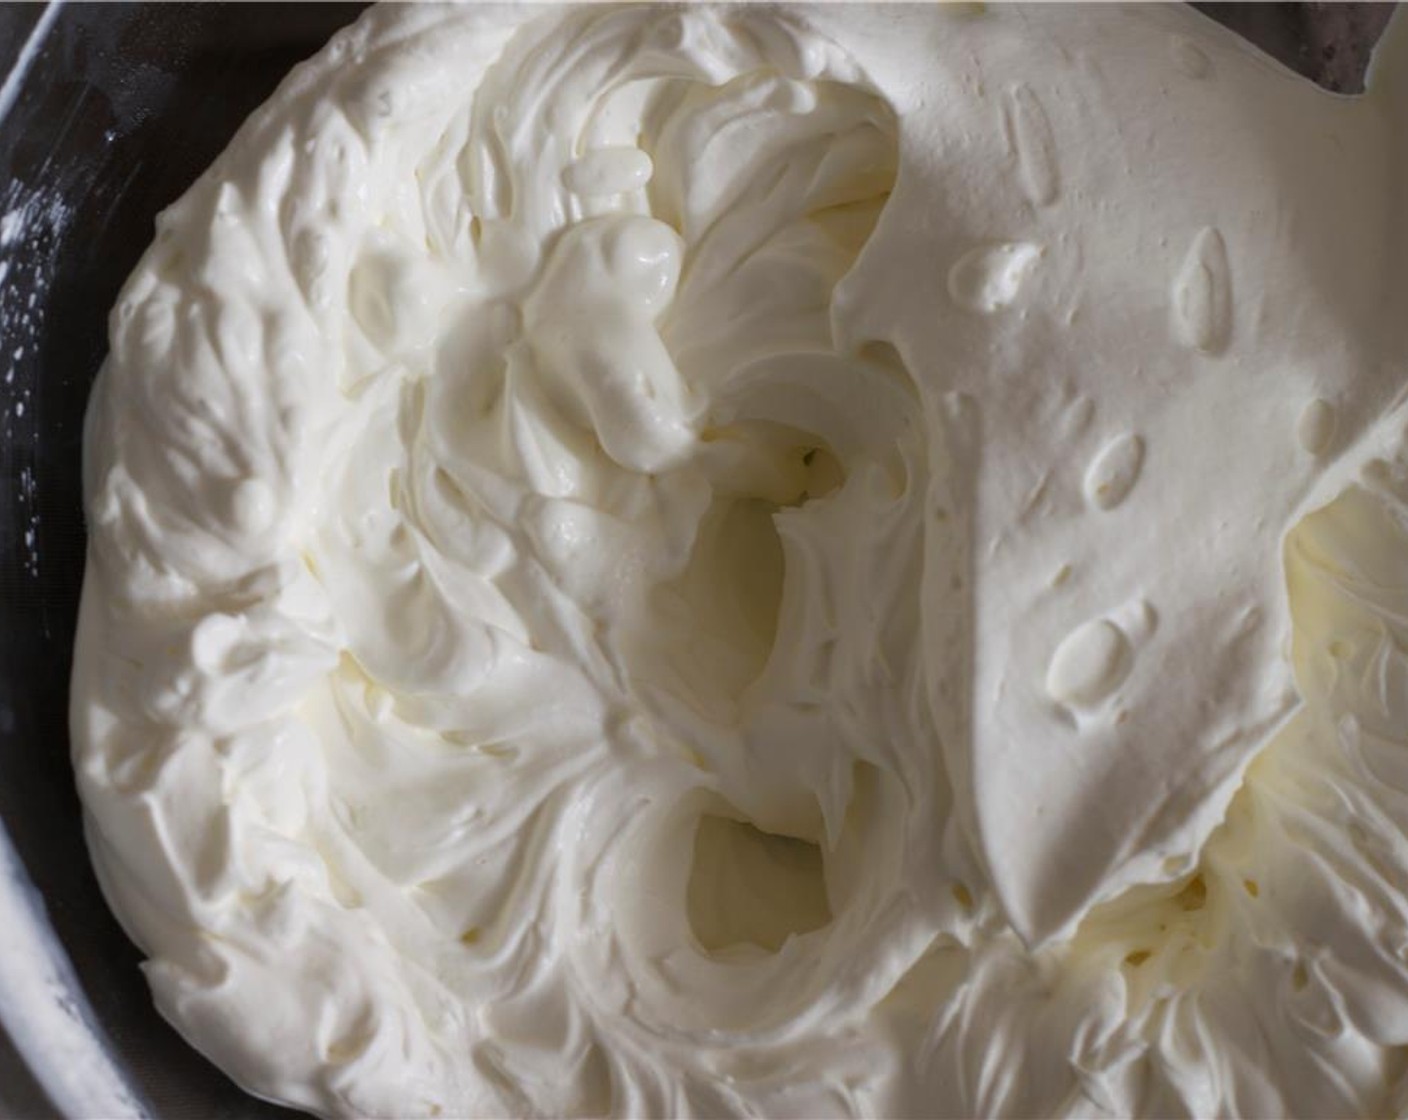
(768, 561)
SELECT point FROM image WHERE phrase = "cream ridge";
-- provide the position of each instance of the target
(768, 560)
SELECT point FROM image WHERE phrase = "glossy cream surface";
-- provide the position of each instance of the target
(767, 561)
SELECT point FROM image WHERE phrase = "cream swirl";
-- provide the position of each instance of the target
(724, 561)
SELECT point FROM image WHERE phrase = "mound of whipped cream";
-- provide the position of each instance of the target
(767, 561)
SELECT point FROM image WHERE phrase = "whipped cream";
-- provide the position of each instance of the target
(838, 560)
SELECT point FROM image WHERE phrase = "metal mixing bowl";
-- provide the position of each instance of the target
(107, 114)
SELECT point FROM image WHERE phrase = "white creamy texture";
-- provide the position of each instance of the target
(711, 562)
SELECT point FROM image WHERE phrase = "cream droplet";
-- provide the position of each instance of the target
(1029, 131)
(213, 640)
(1202, 294)
(608, 171)
(1189, 57)
(1114, 471)
(990, 277)
(252, 505)
(1089, 664)
(1316, 427)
